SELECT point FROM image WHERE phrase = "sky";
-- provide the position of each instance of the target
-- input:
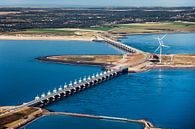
(93, 3)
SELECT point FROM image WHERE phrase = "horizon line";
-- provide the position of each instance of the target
(89, 6)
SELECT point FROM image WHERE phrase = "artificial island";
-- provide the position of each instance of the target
(133, 60)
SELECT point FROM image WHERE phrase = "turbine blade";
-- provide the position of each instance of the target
(160, 42)
(163, 37)
(166, 46)
(157, 49)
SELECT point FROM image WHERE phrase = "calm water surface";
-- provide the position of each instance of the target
(165, 97)
(62, 122)
(22, 77)
(178, 43)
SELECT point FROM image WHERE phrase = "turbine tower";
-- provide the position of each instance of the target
(161, 45)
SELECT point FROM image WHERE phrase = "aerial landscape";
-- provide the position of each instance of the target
(97, 64)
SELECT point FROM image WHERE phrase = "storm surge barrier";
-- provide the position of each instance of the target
(72, 88)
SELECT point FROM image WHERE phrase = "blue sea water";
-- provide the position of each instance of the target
(22, 77)
(64, 122)
(165, 97)
(183, 43)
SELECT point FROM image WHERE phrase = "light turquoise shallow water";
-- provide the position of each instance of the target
(165, 97)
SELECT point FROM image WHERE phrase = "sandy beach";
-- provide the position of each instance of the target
(40, 37)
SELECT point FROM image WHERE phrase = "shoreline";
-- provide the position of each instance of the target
(146, 124)
(123, 36)
(173, 67)
(51, 38)
(44, 59)
(86, 37)
(142, 67)
(32, 121)
(27, 115)
(45, 113)
(102, 64)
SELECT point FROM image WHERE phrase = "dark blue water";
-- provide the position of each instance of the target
(62, 122)
(178, 43)
(165, 97)
(22, 77)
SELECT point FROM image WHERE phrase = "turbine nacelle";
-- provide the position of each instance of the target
(161, 45)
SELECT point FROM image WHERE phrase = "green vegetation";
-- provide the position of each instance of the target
(102, 28)
(147, 26)
(135, 28)
(48, 30)
(100, 19)
(53, 31)
(129, 26)
(158, 27)
(159, 24)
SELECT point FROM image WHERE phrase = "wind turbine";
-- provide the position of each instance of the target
(161, 45)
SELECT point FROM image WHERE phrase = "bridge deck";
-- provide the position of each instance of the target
(120, 45)
(106, 75)
(114, 70)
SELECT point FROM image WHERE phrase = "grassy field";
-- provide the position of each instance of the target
(165, 25)
(154, 27)
(51, 31)
(134, 28)
(103, 28)
(147, 27)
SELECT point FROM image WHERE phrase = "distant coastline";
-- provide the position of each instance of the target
(91, 24)
(91, 34)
